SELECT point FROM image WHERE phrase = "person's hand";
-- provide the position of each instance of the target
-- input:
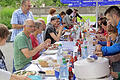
(114, 74)
(98, 48)
(47, 43)
(83, 20)
(64, 25)
(95, 42)
(61, 28)
(98, 53)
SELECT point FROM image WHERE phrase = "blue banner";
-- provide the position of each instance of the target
(86, 3)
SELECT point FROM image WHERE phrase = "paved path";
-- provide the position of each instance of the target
(7, 50)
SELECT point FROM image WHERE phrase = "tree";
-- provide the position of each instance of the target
(13, 3)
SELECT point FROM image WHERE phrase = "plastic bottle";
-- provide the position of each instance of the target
(59, 54)
(84, 52)
(64, 70)
(70, 72)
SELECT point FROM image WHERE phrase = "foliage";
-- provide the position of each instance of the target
(38, 3)
(56, 3)
(13, 3)
(6, 15)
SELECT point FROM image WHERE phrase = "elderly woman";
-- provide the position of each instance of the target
(5, 75)
(33, 36)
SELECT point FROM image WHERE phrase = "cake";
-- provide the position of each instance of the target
(91, 70)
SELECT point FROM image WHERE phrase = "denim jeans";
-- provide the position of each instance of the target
(14, 70)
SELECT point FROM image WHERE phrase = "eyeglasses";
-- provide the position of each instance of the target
(29, 26)
(28, 5)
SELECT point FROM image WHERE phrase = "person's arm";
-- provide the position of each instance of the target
(29, 53)
(118, 75)
(111, 50)
(5, 75)
(17, 26)
(103, 43)
(57, 38)
(79, 16)
(49, 18)
(14, 21)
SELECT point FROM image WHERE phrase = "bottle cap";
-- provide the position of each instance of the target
(60, 44)
(63, 58)
(85, 47)
(64, 62)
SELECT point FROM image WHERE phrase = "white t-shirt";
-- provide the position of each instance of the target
(4, 75)
(49, 18)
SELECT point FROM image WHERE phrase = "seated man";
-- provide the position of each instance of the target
(23, 50)
(50, 32)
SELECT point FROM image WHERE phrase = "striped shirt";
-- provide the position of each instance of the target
(40, 37)
(19, 17)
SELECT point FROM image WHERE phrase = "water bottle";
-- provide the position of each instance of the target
(64, 70)
(78, 33)
(73, 35)
(84, 49)
(86, 52)
(59, 54)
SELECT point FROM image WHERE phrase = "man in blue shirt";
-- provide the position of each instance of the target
(113, 17)
(19, 16)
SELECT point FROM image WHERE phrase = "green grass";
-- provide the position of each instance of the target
(45, 18)
(92, 18)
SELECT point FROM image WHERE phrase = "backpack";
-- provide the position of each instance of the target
(2, 62)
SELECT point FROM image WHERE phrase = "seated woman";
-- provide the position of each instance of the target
(33, 36)
(102, 32)
(50, 32)
(112, 35)
(114, 59)
(6, 75)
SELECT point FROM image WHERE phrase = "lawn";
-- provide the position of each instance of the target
(92, 18)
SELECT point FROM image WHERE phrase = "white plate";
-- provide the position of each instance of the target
(50, 52)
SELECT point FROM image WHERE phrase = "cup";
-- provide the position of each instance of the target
(57, 69)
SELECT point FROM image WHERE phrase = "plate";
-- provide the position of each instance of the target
(25, 73)
(50, 52)
(50, 73)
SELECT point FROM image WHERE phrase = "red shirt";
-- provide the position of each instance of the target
(105, 33)
(35, 43)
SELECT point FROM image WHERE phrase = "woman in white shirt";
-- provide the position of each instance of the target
(51, 14)
(5, 75)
